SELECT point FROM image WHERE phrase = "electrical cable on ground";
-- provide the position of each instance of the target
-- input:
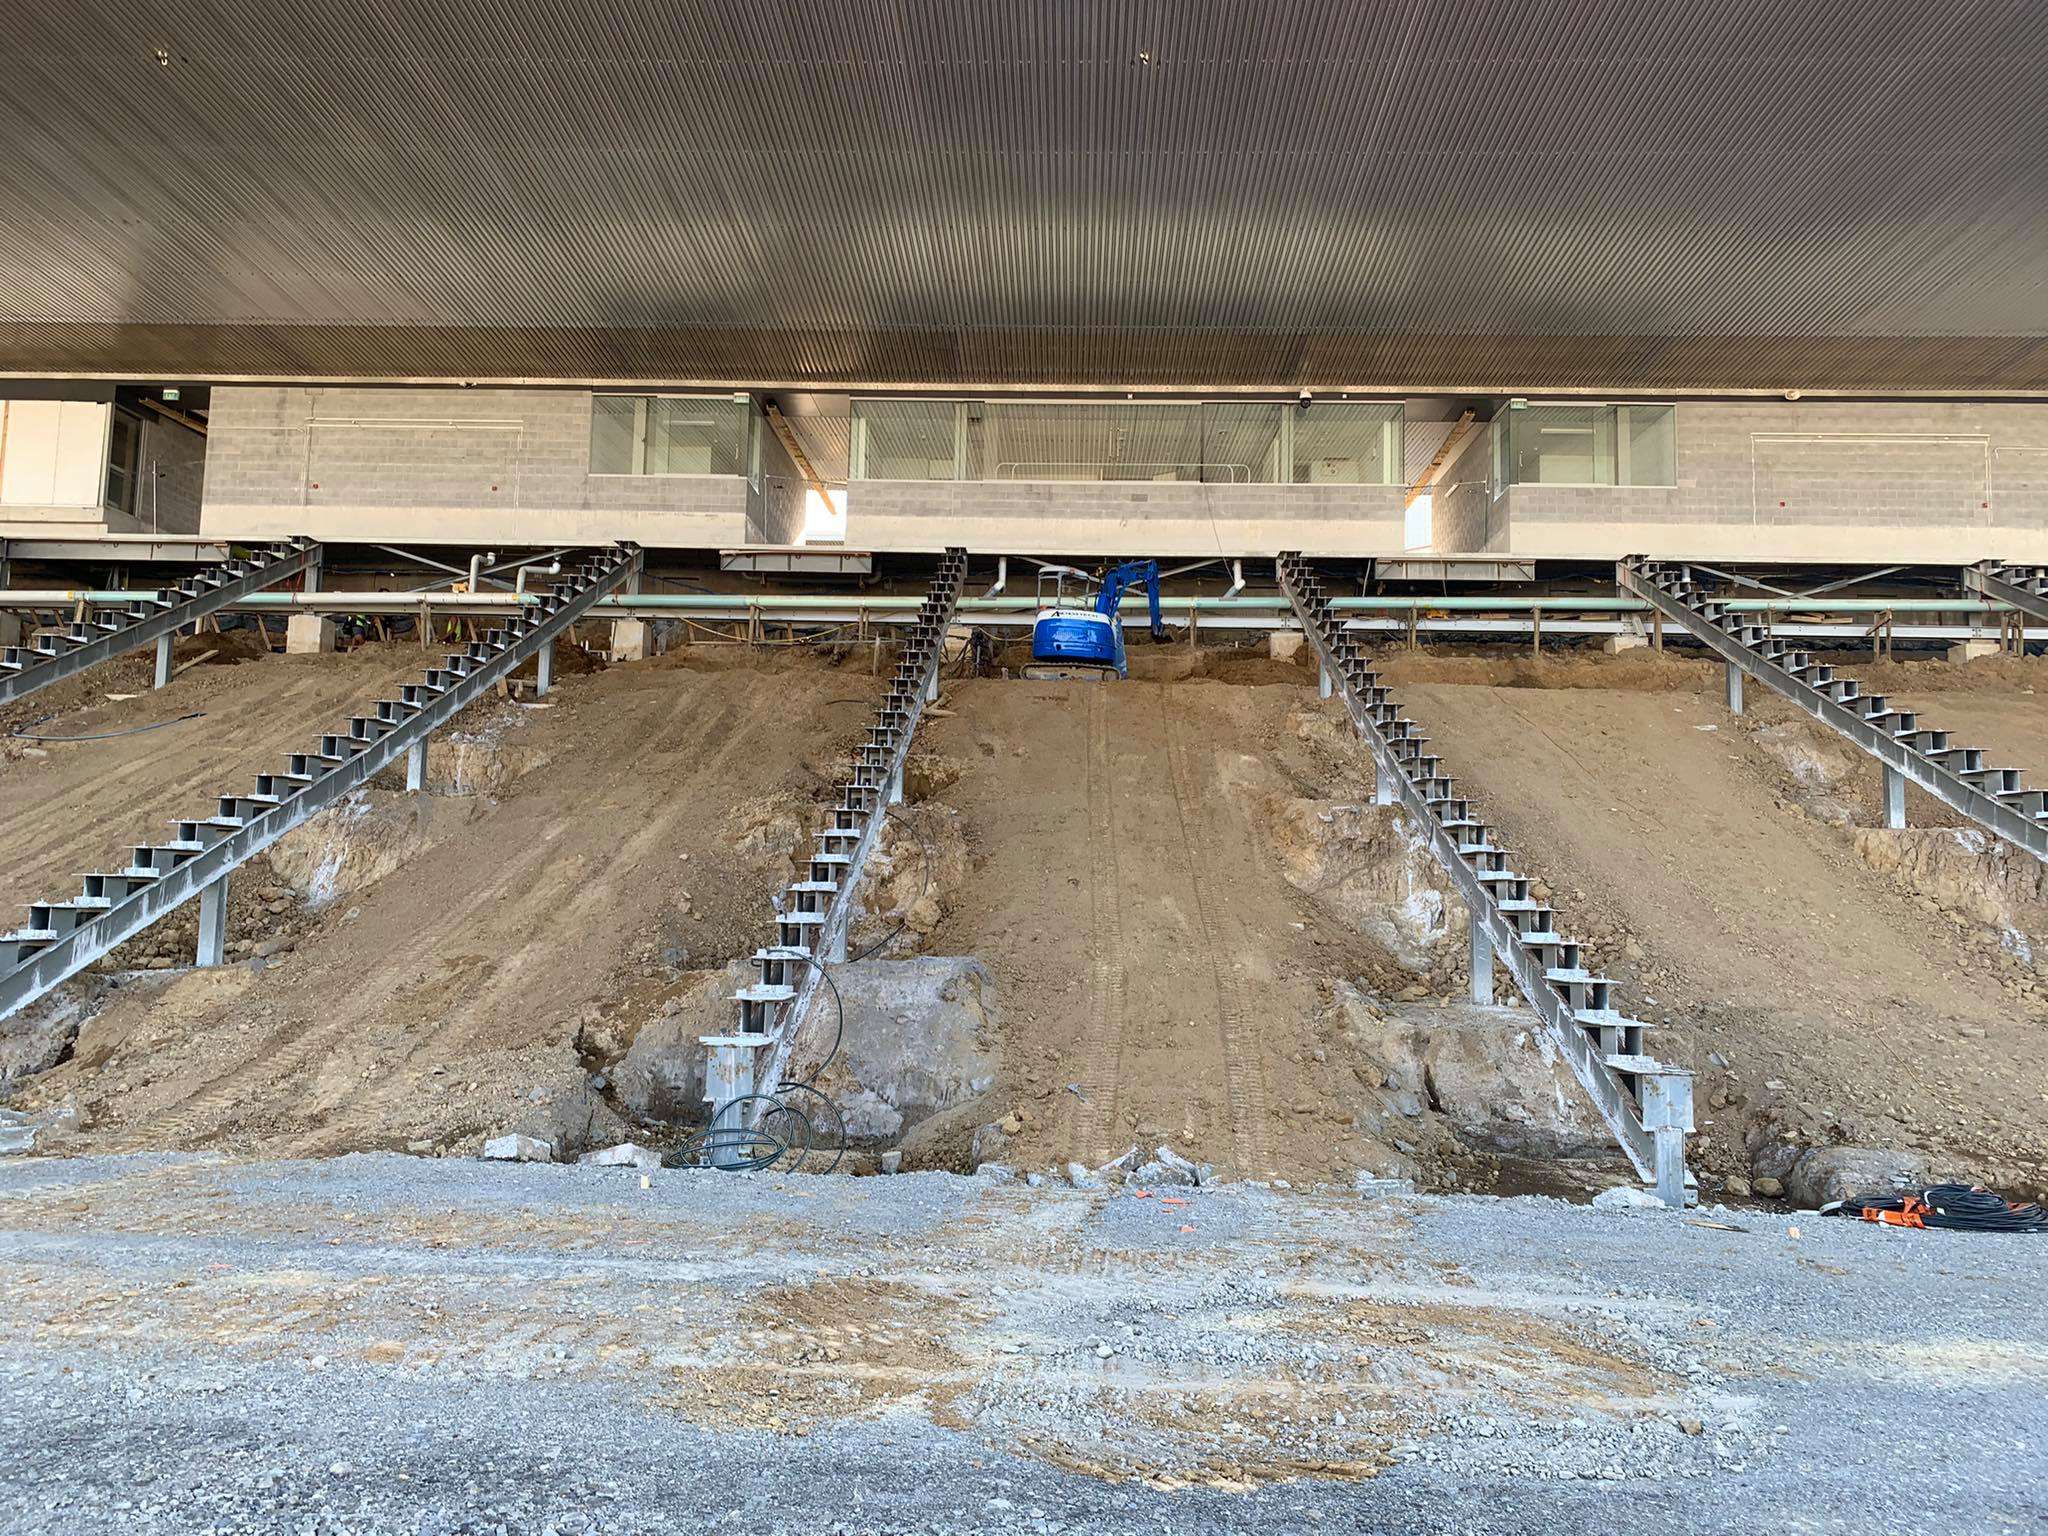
(1946, 1207)
(136, 730)
(762, 1149)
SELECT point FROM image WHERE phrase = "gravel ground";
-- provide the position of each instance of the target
(414, 1345)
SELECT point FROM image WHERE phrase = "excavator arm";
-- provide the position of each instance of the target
(1120, 579)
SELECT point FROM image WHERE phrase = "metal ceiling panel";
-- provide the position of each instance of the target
(1429, 194)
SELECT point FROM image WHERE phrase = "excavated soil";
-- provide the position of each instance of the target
(1194, 928)
(1162, 981)
(1717, 870)
(465, 989)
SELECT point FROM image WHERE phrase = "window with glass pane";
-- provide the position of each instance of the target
(1347, 442)
(669, 435)
(1592, 445)
(1647, 440)
(904, 439)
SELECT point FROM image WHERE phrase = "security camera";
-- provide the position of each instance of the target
(1307, 399)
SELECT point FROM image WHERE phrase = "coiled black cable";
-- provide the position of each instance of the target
(1946, 1207)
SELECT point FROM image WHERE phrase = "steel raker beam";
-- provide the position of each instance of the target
(1650, 1111)
(830, 937)
(23, 669)
(209, 847)
(2023, 588)
(2020, 827)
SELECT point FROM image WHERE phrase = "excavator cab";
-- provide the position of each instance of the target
(1073, 637)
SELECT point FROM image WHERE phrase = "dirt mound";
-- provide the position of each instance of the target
(459, 992)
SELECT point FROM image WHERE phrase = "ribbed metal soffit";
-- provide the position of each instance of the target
(1202, 192)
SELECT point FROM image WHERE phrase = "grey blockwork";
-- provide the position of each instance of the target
(1903, 480)
(510, 466)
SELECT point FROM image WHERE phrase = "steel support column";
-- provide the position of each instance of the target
(1894, 798)
(213, 923)
(163, 659)
(1734, 689)
(544, 670)
(1482, 962)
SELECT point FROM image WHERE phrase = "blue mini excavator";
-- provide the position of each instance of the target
(1070, 640)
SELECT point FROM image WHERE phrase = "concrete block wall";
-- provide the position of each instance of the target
(775, 513)
(1463, 514)
(1117, 518)
(459, 466)
(1928, 482)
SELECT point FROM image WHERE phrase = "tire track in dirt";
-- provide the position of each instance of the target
(1223, 942)
(76, 808)
(482, 945)
(1094, 1118)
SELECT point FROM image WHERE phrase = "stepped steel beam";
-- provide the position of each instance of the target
(1955, 775)
(150, 618)
(812, 915)
(1646, 1104)
(61, 938)
(2023, 588)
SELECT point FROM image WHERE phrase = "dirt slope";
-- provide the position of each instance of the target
(69, 808)
(450, 995)
(1843, 1009)
(1149, 951)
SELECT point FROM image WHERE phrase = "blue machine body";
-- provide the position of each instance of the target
(1069, 635)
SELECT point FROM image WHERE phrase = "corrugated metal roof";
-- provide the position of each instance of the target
(1419, 193)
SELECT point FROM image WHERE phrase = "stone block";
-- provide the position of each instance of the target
(1614, 645)
(627, 1154)
(308, 634)
(519, 1149)
(1285, 644)
(632, 640)
(1972, 650)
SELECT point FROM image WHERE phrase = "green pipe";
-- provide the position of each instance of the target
(737, 602)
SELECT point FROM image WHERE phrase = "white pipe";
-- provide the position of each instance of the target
(476, 570)
(1236, 578)
(552, 569)
(1002, 577)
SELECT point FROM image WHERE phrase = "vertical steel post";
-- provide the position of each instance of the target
(544, 670)
(416, 767)
(1734, 689)
(1482, 963)
(1324, 686)
(213, 923)
(1670, 1153)
(163, 660)
(1894, 799)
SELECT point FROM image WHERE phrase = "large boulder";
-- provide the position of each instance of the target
(919, 1040)
(1489, 1077)
(661, 1076)
(1371, 869)
(1822, 1174)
